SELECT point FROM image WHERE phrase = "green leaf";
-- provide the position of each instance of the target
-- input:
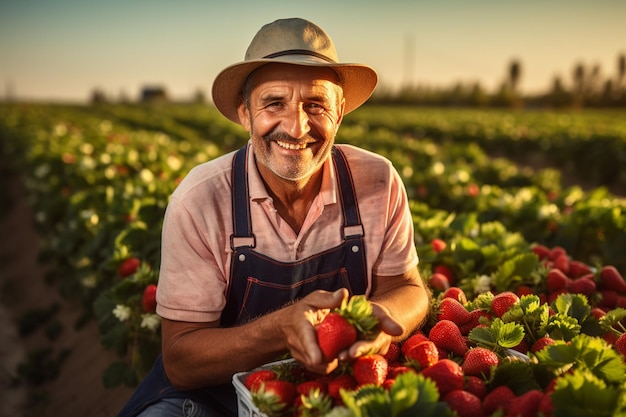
(583, 394)
(574, 305)
(514, 271)
(508, 335)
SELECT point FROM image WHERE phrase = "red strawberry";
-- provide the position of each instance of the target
(546, 408)
(598, 313)
(304, 388)
(254, 379)
(393, 353)
(475, 316)
(541, 251)
(446, 374)
(556, 251)
(479, 361)
(445, 270)
(523, 290)
(456, 293)
(526, 405)
(334, 334)
(148, 301)
(612, 279)
(370, 369)
(464, 403)
(344, 381)
(578, 269)
(561, 262)
(609, 298)
(521, 347)
(424, 353)
(475, 385)
(342, 327)
(502, 302)
(620, 345)
(451, 309)
(128, 267)
(556, 280)
(541, 343)
(447, 336)
(414, 339)
(395, 370)
(497, 399)
(438, 282)
(438, 245)
(584, 285)
(274, 397)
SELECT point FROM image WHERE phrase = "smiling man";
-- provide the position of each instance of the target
(257, 242)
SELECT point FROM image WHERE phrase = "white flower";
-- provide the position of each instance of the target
(122, 312)
(150, 321)
(482, 284)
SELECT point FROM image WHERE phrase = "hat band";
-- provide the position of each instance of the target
(299, 52)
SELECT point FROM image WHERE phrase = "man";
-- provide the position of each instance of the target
(257, 242)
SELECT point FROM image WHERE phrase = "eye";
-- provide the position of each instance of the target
(315, 108)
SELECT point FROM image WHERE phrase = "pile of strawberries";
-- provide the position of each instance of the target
(494, 355)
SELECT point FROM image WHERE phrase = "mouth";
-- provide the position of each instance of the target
(292, 146)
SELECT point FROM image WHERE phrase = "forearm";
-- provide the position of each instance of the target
(407, 301)
(200, 356)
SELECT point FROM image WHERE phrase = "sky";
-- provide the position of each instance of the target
(61, 50)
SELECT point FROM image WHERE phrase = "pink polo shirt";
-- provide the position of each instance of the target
(196, 253)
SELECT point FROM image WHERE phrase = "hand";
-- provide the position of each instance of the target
(297, 323)
(389, 328)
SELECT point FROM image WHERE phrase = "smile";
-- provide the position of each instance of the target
(292, 146)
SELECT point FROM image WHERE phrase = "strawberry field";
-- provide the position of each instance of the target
(487, 227)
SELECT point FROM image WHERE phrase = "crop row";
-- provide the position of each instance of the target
(99, 179)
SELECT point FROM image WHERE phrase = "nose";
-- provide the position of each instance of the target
(296, 122)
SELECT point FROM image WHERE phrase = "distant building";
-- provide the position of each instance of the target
(153, 94)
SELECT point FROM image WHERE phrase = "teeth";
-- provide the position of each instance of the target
(292, 146)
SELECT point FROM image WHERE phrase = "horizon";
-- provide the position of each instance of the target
(64, 50)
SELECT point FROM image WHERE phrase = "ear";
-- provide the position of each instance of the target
(244, 115)
(342, 108)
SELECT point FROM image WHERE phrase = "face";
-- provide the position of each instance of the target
(292, 114)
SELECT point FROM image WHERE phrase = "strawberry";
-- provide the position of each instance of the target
(541, 343)
(305, 387)
(541, 251)
(546, 408)
(451, 309)
(339, 382)
(608, 298)
(474, 322)
(456, 293)
(370, 369)
(340, 328)
(556, 252)
(497, 399)
(502, 302)
(556, 280)
(475, 385)
(526, 405)
(393, 353)
(148, 301)
(479, 361)
(274, 397)
(447, 336)
(612, 279)
(620, 345)
(445, 270)
(255, 378)
(314, 403)
(414, 339)
(561, 262)
(578, 269)
(424, 353)
(128, 267)
(438, 245)
(446, 374)
(464, 403)
(584, 285)
(523, 290)
(438, 282)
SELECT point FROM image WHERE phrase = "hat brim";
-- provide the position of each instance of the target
(358, 82)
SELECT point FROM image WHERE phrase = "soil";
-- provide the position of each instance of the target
(78, 389)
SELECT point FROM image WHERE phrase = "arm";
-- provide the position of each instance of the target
(201, 354)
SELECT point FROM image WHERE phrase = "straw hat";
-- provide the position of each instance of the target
(296, 42)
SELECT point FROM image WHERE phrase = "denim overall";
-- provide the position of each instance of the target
(259, 285)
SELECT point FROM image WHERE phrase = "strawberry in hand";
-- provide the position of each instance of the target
(353, 320)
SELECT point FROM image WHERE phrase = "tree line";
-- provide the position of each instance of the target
(586, 88)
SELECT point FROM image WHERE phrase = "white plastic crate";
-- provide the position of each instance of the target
(245, 408)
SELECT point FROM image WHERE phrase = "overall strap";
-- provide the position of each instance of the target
(352, 219)
(242, 222)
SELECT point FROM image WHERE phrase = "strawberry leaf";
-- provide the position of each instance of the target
(581, 393)
(612, 320)
(517, 375)
(513, 271)
(562, 327)
(574, 305)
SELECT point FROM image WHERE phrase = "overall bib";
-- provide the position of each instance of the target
(259, 284)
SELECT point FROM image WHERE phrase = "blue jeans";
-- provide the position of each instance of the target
(178, 407)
